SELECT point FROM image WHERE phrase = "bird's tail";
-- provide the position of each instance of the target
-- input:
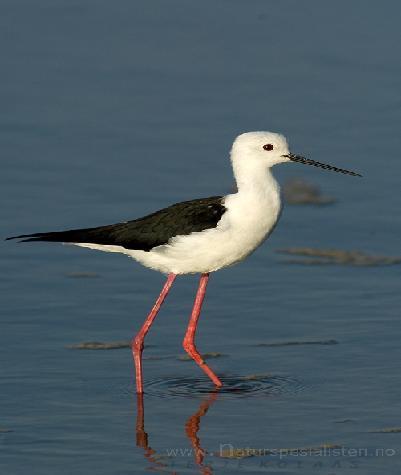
(73, 235)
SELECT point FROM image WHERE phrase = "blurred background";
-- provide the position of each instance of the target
(111, 110)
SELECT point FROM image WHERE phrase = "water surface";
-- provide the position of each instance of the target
(111, 111)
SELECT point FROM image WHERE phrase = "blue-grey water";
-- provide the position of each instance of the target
(111, 110)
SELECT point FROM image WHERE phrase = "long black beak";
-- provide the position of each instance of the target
(308, 161)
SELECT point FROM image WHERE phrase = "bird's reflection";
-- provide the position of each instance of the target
(142, 439)
(192, 427)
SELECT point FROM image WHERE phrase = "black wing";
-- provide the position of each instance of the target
(147, 232)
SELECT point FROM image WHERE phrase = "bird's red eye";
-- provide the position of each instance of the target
(268, 147)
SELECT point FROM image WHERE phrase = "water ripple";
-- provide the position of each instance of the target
(267, 385)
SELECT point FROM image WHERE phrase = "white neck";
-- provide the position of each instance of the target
(254, 210)
(256, 179)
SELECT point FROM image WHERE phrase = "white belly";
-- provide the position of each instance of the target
(248, 221)
(241, 230)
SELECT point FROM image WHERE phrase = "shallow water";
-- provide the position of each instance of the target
(110, 112)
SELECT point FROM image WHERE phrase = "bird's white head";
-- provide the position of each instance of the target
(260, 148)
(253, 153)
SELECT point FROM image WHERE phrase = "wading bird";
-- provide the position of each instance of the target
(201, 235)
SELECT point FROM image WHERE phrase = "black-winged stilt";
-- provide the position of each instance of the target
(199, 236)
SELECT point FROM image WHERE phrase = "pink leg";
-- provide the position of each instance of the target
(189, 339)
(137, 343)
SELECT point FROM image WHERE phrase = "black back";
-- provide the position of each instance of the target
(147, 232)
